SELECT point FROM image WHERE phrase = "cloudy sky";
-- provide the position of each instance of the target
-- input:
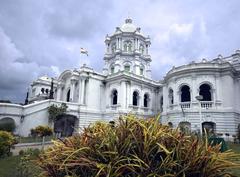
(43, 37)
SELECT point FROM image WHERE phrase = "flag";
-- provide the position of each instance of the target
(83, 51)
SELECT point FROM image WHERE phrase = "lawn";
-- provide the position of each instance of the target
(8, 165)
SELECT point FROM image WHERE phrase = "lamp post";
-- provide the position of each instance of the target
(199, 98)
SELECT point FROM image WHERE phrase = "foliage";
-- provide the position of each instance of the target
(238, 133)
(41, 131)
(27, 166)
(54, 111)
(7, 140)
(7, 124)
(134, 147)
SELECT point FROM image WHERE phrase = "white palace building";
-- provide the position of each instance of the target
(197, 95)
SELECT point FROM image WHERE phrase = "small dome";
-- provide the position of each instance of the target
(128, 26)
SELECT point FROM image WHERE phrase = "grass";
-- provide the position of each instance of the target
(236, 149)
(8, 166)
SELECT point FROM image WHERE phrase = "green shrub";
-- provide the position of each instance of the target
(7, 140)
(41, 131)
(135, 147)
(27, 166)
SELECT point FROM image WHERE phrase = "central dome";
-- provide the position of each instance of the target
(128, 26)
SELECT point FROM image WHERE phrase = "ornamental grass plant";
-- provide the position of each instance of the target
(135, 147)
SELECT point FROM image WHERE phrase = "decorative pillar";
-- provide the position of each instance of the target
(122, 94)
(59, 91)
(72, 92)
(82, 97)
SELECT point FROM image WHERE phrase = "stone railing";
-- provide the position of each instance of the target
(206, 104)
(185, 105)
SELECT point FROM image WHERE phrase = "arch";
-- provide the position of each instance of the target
(135, 98)
(210, 127)
(68, 95)
(127, 67)
(170, 124)
(114, 97)
(146, 99)
(205, 91)
(170, 96)
(185, 126)
(64, 124)
(112, 69)
(65, 74)
(185, 93)
(7, 124)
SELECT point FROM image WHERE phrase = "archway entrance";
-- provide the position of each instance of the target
(209, 127)
(185, 127)
(7, 124)
(64, 125)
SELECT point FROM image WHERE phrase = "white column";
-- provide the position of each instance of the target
(72, 91)
(83, 90)
(122, 95)
(79, 91)
(59, 91)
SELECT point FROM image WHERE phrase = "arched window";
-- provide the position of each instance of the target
(112, 69)
(205, 91)
(42, 90)
(127, 68)
(146, 100)
(161, 103)
(185, 94)
(68, 95)
(141, 49)
(125, 47)
(130, 47)
(141, 71)
(170, 96)
(114, 97)
(46, 91)
(135, 98)
(113, 48)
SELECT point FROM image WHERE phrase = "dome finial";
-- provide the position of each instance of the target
(128, 19)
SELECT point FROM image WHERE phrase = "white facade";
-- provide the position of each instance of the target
(125, 86)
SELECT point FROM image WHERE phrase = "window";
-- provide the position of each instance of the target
(112, 70)
(141, 71)
(135, 98)
(130, 47)
(68, 96)
(205, 91)
(146, 100)
(42, 90)
(113, 48)
(141, 49)
(125, 47)
(127, 68)
(114, 97)
(185, 94)
(170, 96)
(161, 103)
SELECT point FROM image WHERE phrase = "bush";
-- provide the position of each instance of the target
(41, 131)
(134, 147)
(6, 142)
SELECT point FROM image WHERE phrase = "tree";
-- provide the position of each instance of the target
(55, 111)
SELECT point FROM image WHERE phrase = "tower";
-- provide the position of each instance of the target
(127, 50)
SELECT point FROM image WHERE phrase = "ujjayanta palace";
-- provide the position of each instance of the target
(196, 95)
